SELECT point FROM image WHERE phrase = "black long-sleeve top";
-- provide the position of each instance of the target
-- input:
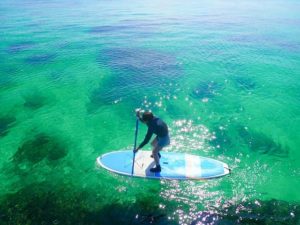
(155, 126)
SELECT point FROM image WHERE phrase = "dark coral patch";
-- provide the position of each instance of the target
(20, 46)
(33, 150)
(260, 142)
(40, 59)
(244, 83)
(5, 124)
(57, 152)
(34, 100)
(40, 147)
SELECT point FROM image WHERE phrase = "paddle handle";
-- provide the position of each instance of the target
(135, 139)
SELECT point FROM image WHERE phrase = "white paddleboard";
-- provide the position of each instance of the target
(174, 165)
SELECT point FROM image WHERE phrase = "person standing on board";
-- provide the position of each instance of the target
(155, 126)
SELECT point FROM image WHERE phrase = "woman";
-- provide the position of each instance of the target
(158, 127)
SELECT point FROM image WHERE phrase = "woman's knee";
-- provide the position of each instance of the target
(156, 150)
(154, 142)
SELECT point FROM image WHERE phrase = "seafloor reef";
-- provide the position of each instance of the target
(51, 203)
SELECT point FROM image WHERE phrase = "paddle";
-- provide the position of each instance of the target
(135, 138)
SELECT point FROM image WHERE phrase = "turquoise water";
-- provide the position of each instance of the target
(223, 74)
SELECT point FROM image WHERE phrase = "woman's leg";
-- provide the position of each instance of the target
(158, 145)
(154, 142)
(155, 152)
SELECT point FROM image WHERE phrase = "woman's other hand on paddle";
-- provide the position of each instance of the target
(137, 112)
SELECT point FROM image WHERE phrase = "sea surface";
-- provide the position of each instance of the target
(224, 75)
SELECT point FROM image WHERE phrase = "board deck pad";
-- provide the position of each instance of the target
(174, 165)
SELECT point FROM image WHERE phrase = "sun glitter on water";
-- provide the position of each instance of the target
(188, 133)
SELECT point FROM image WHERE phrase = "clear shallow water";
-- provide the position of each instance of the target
(224, 75)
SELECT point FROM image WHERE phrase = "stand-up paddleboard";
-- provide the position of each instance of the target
(174, 165)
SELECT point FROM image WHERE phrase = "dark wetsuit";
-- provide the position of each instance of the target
(155, 126)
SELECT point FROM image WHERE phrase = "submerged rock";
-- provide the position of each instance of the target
(34, 100)
(244, 83)
(5, 124)
(20, 46)
(40, 147)
(40, 59)
(260, 142)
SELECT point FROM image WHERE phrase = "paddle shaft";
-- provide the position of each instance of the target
(135, 139)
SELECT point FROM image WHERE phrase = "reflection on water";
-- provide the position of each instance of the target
(199, 204)
(188, 133)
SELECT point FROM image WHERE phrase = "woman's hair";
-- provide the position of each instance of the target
(147, 116)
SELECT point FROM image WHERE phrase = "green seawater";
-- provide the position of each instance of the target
(224, 75)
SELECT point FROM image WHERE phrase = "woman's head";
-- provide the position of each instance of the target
(147, 116)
